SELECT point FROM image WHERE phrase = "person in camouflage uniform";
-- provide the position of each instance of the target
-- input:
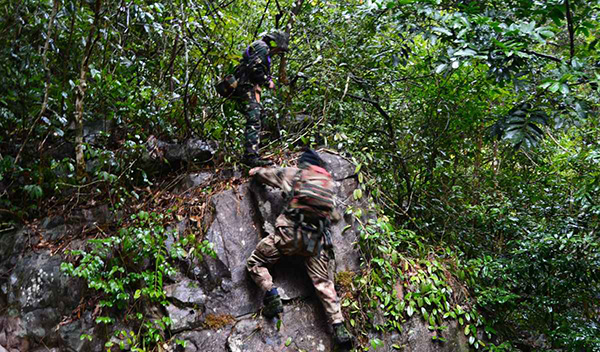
(253, 73)
(285, 241)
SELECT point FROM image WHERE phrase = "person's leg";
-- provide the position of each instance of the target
(317, 268)
(252, 131)
(266, 253)
(253, 111)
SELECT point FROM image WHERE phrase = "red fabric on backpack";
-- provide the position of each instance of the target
(313, 193)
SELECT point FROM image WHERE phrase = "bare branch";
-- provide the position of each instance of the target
(545, 56)
(571, 30)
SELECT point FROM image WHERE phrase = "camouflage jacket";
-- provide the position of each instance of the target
(283, 178)
(255, 67)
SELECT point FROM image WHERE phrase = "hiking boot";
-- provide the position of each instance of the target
(272, 304)
(255, 161)
(341, 335)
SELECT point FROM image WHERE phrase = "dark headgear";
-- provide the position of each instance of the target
(277, 39)
(312, 158)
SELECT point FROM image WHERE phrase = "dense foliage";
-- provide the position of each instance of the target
(474, 124)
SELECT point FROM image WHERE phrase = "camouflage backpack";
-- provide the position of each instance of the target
(310, 205)
(312, 193)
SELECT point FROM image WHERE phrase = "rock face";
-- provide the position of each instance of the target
(37, 296)
(188, 150)
(215, 306)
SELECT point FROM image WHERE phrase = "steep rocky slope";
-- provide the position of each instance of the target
(213, 303)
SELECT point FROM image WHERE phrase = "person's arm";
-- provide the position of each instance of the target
(281, 178)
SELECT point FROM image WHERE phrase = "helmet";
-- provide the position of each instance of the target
(277, 39)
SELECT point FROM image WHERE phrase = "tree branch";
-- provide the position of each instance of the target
(261, 19)
(545, 56)
(392, 134)
(571, 31)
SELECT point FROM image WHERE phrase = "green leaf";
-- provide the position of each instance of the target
(288, 341)
(358, 167)
(465, 52)
(441, 30)
(440, 68)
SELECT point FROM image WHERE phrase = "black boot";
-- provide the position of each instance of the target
(272, 304)
(255, 161)
(341, 335)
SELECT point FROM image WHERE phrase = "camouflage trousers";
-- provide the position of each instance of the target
(270, 249)
(249, 106)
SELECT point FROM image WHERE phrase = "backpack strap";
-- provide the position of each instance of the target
(288, 197)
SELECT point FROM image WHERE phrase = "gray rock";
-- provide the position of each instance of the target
(186, 292)
(52, 222)
(56, 233)
(196, 180)
(234, 236)
(184, 318)
(189, 150)
(203, 340)
(39, 296)
(70, 335)
(303, 327)
(338, 166)
(92, 130)
(12, 244)
(9, 327)
(37, 282)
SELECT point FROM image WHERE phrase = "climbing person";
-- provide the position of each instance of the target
(253, 73)
(303, 228)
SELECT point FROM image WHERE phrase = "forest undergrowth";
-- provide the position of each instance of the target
(473, 126)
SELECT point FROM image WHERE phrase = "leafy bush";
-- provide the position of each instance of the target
(129, 269)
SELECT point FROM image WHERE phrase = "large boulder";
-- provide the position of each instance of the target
(187, 151)
(38, 298)
(241, 217)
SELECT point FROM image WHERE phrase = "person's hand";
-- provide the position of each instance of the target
(254, 170)
(271, 85)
